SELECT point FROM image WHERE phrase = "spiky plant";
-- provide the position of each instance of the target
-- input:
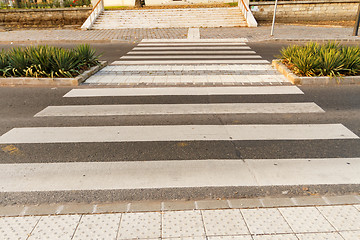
(87, 55)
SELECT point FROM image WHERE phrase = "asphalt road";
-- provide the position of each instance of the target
(19, 105)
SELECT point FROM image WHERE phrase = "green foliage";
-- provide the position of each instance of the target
(86, 55)
(46, 61)
(330, 59)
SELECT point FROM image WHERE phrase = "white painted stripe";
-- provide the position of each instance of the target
(191, 57)
(183, 91)
(177, 174)
(189, 52)
(191, 48)
(172, 40)
(197, 67)
(176, 133)
(194, 43)
(203, 61)
(169, 109)
(193, 34)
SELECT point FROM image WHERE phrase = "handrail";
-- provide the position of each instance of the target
(249, 17)
(98, 2)
(246, 8)
(94, 14)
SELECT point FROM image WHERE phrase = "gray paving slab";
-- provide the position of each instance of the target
(212, 204)
(261, 33)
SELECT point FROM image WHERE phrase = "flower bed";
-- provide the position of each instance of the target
(47, 62)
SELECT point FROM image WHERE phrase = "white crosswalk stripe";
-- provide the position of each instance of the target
(190, 48)
(177, 133)
(180, 91)
(146, 44)
(191, 56)
(158, 109)
(180, 61)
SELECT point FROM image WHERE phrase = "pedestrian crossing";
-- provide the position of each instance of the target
(189, 63)
(135, 119)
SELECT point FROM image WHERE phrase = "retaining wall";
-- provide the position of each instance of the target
(306, 11)
(43, 17)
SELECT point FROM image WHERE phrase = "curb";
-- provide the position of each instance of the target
(29, 81)
(169, 194)
(175, 205)
(313, 80)
(316, 39)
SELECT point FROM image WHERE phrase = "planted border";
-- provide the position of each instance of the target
(46, 65)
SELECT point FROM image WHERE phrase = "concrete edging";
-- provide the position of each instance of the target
(29, 81)
(313, 80)
(175, 205)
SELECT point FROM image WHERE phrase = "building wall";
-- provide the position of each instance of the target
(43, 17)
(306, 11)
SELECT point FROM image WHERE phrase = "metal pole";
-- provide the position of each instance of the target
(357, 21)
(273, 22)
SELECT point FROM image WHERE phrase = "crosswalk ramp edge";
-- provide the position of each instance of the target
(169, 174)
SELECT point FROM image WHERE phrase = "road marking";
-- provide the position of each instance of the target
(177, 133)
(169, 109)
(190, 48)
(199, 67)
(201, 61)
(184, 40)
(193, 34)
(191, 57)
(189, 52)
(177, 174)
(194, 43)
(183, 91)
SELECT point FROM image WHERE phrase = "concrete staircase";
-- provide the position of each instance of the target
(171, 18)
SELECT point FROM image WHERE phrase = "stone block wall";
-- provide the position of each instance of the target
(43, 18)
(306, 11)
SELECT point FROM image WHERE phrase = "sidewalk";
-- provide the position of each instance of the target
(301, 218)
(262, 33)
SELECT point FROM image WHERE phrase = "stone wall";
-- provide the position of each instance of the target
(43, 18)
(306, 11)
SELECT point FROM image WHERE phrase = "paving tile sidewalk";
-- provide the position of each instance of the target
(295, 222)
(261, 33)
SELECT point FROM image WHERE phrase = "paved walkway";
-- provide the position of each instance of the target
(262, 33)
(242, 219)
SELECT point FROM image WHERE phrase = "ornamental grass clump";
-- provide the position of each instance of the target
(47, 61)
(331, 59)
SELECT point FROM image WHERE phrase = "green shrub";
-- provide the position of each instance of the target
(331, 59)
(46, 61)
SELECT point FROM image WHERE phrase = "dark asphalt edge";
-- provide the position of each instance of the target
(193, 193)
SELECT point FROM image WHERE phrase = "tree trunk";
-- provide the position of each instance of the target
(138, 3)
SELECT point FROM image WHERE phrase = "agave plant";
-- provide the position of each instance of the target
(331, 62)
(87, 55)
(4, 63)
(351, 60)
(305, 62)
(19, 61)
(64, 63)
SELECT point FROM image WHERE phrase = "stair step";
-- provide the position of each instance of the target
(170, 18)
